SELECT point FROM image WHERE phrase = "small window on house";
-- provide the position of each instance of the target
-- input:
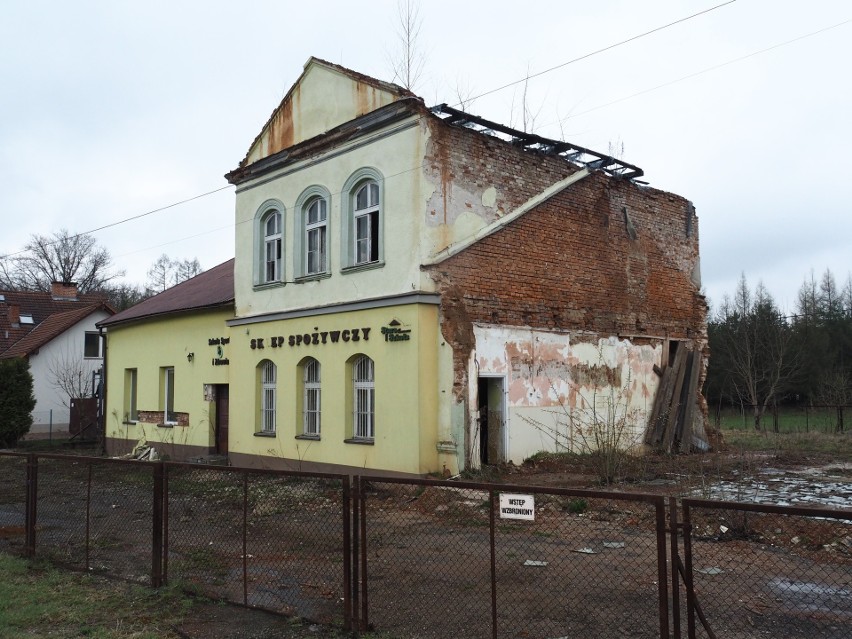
(363, 399)
(168, 395)
(272, 240)
(268, 392)
(131, 414)
(316, 220)
(26, 318)
(366, 223)
(92, 346)
(311, 401)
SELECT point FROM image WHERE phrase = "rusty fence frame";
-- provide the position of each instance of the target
(686, 568)
(360, 605)
(673, 525)
(346, 519)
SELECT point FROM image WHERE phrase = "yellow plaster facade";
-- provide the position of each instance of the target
(145, 350)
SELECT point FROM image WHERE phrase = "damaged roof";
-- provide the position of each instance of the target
(212, 289)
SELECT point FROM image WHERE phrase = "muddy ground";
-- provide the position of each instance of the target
(591, 563)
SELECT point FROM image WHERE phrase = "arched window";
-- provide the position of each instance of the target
(272, 247)
(316, 242)
(363, 213)
(268, 375)
(366, 218)
(363, 398)
(311, 402)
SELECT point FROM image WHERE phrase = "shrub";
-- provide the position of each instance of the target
(16, 400)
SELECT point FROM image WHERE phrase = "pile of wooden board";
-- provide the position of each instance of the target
(676, 423)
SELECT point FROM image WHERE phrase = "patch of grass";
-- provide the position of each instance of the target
(838, 444)
(39, 600)
(578, 506)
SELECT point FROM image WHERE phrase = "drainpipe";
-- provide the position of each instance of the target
(103, 398)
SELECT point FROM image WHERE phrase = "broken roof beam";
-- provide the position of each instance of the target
(570, 152)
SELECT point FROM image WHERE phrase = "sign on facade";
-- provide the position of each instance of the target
(517, 506)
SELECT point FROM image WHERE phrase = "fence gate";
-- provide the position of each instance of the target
(763, 570)
(439, 559)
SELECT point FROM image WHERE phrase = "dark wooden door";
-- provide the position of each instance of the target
(222, 419)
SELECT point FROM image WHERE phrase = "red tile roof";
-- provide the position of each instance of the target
(40, 306)
(49, 329)
(211, 289)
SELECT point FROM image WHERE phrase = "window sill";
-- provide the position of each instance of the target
(313, 277)
(167, 425)
(131, 422)
(314, 438)
(266, 285)
(363, 441)
(264, 434)
(362, 267)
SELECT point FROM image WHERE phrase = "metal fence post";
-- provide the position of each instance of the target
(365, 596)
(31, 504)
(356, 554)
(348, 551)
(662, 572)
(88, 512)
(157, 533)
(673, 525)
(491, 526)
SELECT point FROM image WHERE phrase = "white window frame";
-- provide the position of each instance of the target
(272, 247)
(363, 226)
(131, 390)
(363, 398)
(269, 245)
(268, 397)
(169, 413)
(366, 215)
(318, 229)
(312, 398)
(86, 336)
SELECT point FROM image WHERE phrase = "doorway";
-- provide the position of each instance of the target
(492, 420)
(221, 419)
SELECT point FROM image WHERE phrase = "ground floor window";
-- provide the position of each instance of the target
(268, 375)
(364, 396)
(168, 395)
(131, 414)
(311, 401)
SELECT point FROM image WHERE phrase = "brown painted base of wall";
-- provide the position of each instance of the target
(277, 463)
(182, 453)
(173, 452)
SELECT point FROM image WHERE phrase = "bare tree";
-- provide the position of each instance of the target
(754, 344)
(71, 375)
(165, 272)
(61, 257)
(408, 61)
(527, 115)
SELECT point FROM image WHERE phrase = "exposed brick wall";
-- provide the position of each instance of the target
(570, 263)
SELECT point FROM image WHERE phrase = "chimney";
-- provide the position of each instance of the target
(64, 290)
(15, 315)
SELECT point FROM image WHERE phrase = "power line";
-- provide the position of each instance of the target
(703, 71)
(596, 52)
(505, 86)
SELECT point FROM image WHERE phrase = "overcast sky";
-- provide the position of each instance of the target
(111, 109)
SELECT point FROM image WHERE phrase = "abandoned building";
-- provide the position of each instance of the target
(415, 290)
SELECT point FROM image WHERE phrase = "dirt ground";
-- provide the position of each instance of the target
(426, 548)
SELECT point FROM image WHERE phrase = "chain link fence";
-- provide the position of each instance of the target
(263, 539)
(13, 503)
(449, 559)
(760, 570)
(422, 558)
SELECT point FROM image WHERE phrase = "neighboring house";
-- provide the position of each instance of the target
(420, 290)
(166, 381)
(57, 333)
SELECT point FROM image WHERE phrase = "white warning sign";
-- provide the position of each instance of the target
(517, 506)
